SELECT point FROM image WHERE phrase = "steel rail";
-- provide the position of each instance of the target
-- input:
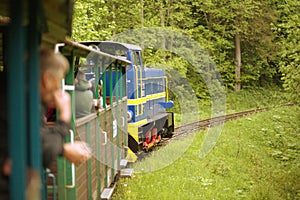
(189, 128)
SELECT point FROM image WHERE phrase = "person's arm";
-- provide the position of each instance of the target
(53, 138)
(53, 141)
(62, 102)
(77, 152)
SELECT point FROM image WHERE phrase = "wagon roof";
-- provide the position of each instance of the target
(54, 17)
(114, 45)
(81, 49)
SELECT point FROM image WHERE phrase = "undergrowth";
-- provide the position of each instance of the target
(256, 157)
(246, 99)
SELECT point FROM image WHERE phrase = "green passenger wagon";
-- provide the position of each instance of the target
(24, 27)
(104, 130)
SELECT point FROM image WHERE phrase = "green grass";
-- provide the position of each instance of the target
(254, 98)
(237, 101)
(256, 157)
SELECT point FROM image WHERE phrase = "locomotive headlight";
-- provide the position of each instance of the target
(129, 115)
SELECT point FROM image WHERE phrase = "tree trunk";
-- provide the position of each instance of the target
(142, 23)
(238, 62)
(162, 23)
(142, 13)
(114, 19)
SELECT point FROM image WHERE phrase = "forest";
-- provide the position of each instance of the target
(247, 51)
(243, 44)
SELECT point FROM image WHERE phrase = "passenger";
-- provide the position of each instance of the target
(83, 96)
(53, 68)
(100, 98)
(100, 93)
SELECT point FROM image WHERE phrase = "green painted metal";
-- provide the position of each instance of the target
(125, 121)
(61, 179)
(34, 136)
(104, 89)
(117, 82)
(105, 126)
(96, 78)
(44, 188)
(110, 86)
(112, 119)
(118, 116)
(17, 100)
(122, 81)
(35, 159)
(89, 162)
(69, 80)
(98, 139)
(124, 112)
(98, 133)
(64, 167)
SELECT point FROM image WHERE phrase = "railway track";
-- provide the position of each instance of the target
(186, 129)
(189, 128)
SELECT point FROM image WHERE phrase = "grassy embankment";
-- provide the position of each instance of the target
(238, 101)
(256, 157)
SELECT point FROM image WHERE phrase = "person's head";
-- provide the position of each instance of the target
(53, 68)
(100, 88)
(81, 80)
(81, 75)
(92, 83)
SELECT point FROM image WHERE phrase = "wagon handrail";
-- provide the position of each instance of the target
(72, 165)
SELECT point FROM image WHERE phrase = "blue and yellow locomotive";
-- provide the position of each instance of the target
(147, 93)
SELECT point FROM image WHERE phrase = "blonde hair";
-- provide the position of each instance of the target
(56, 63)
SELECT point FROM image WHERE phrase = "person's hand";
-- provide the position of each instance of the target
(77, 152)
(62, 101)
(6, 168)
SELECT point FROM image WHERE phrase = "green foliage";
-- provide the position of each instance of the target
(252, 98)
(287, 30)
(217, 24)
(213, 25)
(248, 162)
(86, 23)
(247, 99)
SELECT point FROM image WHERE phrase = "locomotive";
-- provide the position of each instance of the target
(147, 98)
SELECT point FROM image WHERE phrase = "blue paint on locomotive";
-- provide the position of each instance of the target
(168, 104)
(150, 92)
(115, 83)
(146, 87)
(130, 78)
(155, 88)
(150, 72)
